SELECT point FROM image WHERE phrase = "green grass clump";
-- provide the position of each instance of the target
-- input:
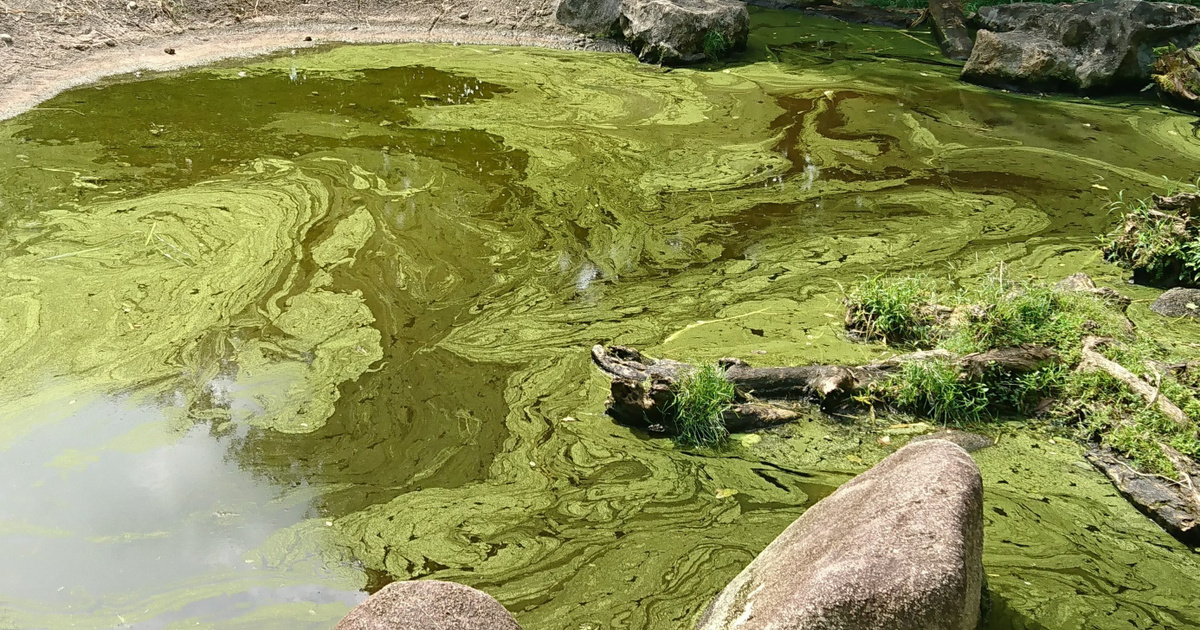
(1005, 315)
(1160, 249)
(1103, 410)
(701, 400)
(892, 310)
(934, 389)
(715, 45)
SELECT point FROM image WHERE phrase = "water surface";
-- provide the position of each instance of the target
(277, 333)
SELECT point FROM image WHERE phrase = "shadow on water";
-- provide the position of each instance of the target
(1002, 616)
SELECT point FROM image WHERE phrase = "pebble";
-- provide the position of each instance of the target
(464, 15)
(131, 5)
(6, 39)
(169, 51)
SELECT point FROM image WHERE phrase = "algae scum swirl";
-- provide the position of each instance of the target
(275, 334)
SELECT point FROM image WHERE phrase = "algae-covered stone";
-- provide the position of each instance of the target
(684, 31)
(1178, 302)
(898, 547)
(428, 605)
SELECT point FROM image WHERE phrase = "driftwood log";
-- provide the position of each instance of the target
(950, 28)
(1173, 505)
(643, 388)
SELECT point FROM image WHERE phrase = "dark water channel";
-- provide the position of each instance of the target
(275, 333)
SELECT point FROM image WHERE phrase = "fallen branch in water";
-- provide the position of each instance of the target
(1163, 500)
(643, 389)
(950, 29)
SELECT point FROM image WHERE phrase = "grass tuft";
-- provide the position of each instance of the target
(934, 389)
(701, 400)
(1011, 314)
(891, 310)
(715, 46)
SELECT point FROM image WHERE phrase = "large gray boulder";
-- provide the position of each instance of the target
(428, 605)
(593, 17)
(899, 547)
(1178, 302)
(1101, 46)
(684, 31)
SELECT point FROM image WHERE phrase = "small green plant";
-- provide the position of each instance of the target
(933, 388)
(701, 400)
(892, 310)
(715, 46)
(1170, 48)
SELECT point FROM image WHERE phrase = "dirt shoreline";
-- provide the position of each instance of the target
(49, 55)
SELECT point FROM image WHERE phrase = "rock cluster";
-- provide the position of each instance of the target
(1101, 46)
(663, 31)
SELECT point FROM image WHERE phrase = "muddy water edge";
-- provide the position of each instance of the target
(275, 333)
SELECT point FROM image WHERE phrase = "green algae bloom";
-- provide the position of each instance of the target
(369, 277)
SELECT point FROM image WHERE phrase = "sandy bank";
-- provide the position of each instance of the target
(57, 46)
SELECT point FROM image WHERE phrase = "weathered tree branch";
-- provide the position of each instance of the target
(1160, 499)
(643, 389)
(950, 29)
(1093, 361)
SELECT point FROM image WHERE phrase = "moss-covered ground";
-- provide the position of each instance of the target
(1093, 405)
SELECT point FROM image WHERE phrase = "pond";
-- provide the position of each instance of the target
(277, 332)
